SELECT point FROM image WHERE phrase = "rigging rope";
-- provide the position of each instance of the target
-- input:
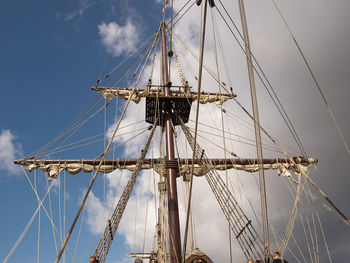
(266, 147)
(316, 239)
(64, 209)
(67, 129)
(171, 39)
(59, 207)
(291, 252)
(306, 237)
(291, 192)
(131, 182)
(85, 144)
(53, 151)
(275, 100)
(91, 184)
(39, 218)
(239, 136)
(143, 45)
(183, 13)
(201, 53)
(312, 240)
(214, 25)
(151, 45)
(246, 235)
(25, 230)
(80, 228)
(74, 128)
(47, 214)
(324, 237)
(104, 147)
(112, 225)
(344, 218)
(290, 226)
(313, 77)
(265, 222)
(125, 73)
(50, 208)
(242, 122)
(147, 203)
(113, 38)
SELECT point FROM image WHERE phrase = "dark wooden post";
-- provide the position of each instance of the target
(173, 210)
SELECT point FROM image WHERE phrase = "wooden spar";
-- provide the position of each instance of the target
(173, 210)
(175, 93)
(264, 214)
(181, 161)
(183, 166)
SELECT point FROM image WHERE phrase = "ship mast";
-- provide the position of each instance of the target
(170, 163)
(265, 223)
(166, 107)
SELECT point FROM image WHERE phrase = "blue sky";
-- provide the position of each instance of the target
(52, 52)
(51, 55)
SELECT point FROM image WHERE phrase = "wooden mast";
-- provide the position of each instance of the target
(170, 164)
(122, 163)
(265, 223)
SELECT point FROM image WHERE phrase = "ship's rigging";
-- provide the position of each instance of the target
(168, 106)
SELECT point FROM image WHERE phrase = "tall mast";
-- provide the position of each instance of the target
(265, 226)
(170, 164)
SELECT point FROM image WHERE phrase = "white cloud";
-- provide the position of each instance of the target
(78, 12)
(97, 211)
(96, 214)
(130, 131)
(9, 151)
(119, 39)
